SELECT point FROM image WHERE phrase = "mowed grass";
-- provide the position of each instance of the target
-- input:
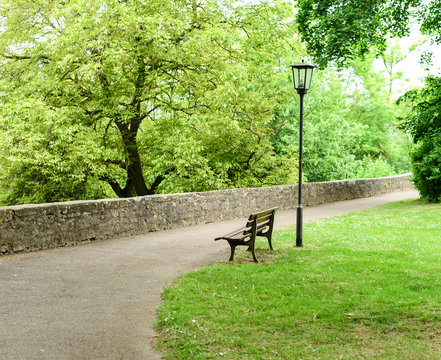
(366, 285)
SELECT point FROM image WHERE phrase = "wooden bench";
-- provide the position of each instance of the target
(260, 224)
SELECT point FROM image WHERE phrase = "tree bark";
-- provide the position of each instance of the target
(135, 185)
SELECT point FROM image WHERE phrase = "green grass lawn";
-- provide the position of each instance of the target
(366, 285)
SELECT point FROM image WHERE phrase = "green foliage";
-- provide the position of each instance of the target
(365, 285)
(140, 97)
(46, 159)
(349, 131)
(424, 125)
(425, 118)
(393, 56)
(134, 98)
(398, 150)
(373, 168)
(426, 166)
(340, 31)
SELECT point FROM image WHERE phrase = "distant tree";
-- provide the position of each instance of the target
(392, 57)
(349, 130)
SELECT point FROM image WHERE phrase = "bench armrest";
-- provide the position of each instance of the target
(232, 234)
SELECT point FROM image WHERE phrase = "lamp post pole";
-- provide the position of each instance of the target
(299, 222)
(302, 76)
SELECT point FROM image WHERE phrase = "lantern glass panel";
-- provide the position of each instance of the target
(308, 78)
(302, 78)
(295, 77)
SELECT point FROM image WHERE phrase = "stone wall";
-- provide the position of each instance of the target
(42, 226)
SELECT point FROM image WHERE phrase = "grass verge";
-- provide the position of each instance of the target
(366, 285)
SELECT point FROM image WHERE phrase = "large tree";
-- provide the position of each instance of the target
(141, 95)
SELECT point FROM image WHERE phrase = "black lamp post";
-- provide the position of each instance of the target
(302, 75)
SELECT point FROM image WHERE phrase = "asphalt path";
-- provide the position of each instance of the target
(99, 300)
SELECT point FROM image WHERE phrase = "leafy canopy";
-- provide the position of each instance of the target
(339, 31)
(137, 97)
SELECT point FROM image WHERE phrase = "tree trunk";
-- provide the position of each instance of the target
(135, 184)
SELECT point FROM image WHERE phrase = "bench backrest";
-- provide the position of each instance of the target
(261, 216)
(261, 220)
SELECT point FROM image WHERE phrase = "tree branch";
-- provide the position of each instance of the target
(24, 57)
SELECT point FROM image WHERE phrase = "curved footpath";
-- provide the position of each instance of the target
(98, 300)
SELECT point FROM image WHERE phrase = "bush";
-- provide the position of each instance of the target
(426, 167)
(423, 123)
(373, 168)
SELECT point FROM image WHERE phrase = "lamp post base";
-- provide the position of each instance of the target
(299, 223)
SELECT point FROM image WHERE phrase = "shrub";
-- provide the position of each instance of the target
(423, 123)
(426, 167)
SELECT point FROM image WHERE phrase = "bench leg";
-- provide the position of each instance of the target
(270, 241)
(269, 236)
(254, 255)
(233, 248)
(251, 248)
